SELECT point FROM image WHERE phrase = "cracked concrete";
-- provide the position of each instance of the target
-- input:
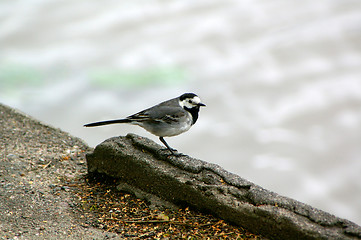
(186, 181)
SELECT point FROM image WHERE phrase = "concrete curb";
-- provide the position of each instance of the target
(209, 188)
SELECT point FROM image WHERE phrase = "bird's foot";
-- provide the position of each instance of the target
(178, 154)
(173, 152)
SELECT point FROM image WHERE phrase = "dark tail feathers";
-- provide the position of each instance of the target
(95, 124)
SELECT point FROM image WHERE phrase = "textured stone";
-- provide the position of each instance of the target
(186, 181)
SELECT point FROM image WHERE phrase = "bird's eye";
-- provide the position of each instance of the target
(190, 101)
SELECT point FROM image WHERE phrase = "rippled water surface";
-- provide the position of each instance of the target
(281, 80)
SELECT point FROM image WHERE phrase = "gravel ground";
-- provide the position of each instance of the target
(45, 193)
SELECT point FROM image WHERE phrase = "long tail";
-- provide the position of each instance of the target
(95, 124)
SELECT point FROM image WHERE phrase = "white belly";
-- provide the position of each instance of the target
(163, 129)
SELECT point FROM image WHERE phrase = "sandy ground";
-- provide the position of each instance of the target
(36, 164)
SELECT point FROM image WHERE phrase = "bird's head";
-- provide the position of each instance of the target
(190, 101)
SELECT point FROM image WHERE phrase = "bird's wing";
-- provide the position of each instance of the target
(161, 113)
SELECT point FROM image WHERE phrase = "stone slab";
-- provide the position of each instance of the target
(185, 181)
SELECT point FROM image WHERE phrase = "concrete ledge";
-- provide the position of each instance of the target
(209, 188)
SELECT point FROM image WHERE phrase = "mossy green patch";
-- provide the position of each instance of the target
(15, 75)
(136, 78)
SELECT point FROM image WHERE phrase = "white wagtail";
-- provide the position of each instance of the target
(167, 119)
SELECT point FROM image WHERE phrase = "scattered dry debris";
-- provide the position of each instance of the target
(102, 206)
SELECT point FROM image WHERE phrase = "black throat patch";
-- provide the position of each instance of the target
(194, 112)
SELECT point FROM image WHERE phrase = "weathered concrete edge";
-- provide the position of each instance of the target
(36, 121)
(263, 211)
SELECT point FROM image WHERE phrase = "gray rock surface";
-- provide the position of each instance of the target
(186, 181)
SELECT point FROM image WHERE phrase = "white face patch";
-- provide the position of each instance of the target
(190, 102)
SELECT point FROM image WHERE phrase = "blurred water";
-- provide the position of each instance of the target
(281, 80)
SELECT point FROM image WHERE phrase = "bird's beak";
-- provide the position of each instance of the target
(201, 104)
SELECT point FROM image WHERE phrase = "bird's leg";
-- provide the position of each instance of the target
(166, 144)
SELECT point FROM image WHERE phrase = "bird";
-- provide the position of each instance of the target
(166, 119)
